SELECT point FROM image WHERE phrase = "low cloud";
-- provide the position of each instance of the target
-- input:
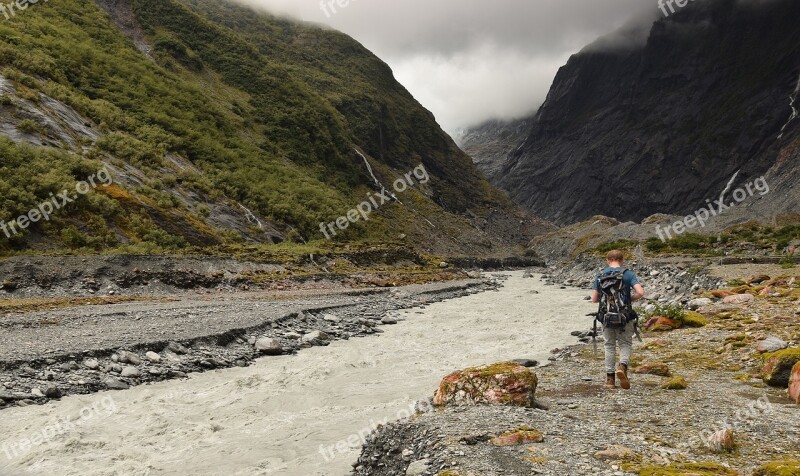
(468, 62)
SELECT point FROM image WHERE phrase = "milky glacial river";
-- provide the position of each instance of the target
(292, 415)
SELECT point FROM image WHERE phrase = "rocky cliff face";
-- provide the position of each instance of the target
(632, 130)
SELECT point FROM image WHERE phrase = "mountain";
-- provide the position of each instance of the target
(636, 125)
(223, 126)
(492, 142)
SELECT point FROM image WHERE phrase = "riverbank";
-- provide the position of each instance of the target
(649, 430)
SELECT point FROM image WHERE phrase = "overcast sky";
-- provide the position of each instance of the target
(469, 61)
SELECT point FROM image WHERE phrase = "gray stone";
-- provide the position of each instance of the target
(771, 344)
(53, 392)
(315, 336)
(92, 364)
(153, 357)
(696, 304)
(129, 358)
(114, 384)
(389, 320)
(331, 318)
(177, 348)
(130, 372)
(269, 346)
(418, 468)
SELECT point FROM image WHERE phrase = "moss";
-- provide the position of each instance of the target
(675, 383)
(688, 469)
(520, 436)
(448, 472)
(779, 468)
(694, 319)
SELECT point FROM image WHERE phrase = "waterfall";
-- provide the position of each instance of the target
(792, 101)
(378, 183)
(251, 218)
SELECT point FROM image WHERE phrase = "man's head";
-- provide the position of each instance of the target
(615, 257)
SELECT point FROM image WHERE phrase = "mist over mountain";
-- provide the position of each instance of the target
(631, 129)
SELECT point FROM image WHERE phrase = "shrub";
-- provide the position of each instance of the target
(29, 126)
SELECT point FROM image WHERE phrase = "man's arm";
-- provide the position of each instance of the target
(595, 296)
(638, 292)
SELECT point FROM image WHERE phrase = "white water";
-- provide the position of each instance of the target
(272, 417)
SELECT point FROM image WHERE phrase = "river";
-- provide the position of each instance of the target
(295, 415)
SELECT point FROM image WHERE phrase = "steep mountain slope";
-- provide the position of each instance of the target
(632, 130)
(492, 142)
(222, 125)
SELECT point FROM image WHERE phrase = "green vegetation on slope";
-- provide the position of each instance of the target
(268, 110)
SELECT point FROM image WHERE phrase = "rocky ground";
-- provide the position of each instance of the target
(696, 382)
(69, 349)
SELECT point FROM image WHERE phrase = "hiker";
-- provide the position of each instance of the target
(616, 288)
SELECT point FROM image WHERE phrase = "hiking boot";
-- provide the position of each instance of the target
(610, 382)
(622, 375)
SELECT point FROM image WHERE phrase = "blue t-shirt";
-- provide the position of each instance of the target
(629, 280)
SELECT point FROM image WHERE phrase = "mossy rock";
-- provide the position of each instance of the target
(448, 472)
(653, 368)
(520, 436)
(504, 383)
(675, 383)
(688, 469)
(694, 319)
(779, 468)
(778, 367)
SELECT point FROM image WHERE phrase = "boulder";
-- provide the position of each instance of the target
(53, 392)
(177, 348)
(153, 357)
(694, 319)
(315, 337)
(520, 436)
(129, 358)
(418, 468)
(114, 384)
(696, 304)
(778, 468)
(675, 383)
(269, 346)
(771, 344)
(758, 279)
(721, 441)
(130, 372)
(504, 383)
(653, 368)
(738, 299)
(661, 324)
(91, 364)
(778, 367)
(794, 384)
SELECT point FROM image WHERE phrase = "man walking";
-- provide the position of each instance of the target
(616, 288)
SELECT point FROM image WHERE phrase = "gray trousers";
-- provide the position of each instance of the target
(623, 337)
